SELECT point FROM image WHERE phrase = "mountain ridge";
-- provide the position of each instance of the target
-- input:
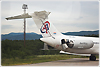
(33, 36)
(82, 33)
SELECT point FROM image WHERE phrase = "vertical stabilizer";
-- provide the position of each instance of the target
(45, 26)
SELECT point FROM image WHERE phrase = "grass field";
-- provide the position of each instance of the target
(36, 59)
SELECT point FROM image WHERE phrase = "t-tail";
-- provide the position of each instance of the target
(45, 26)
(41, 20)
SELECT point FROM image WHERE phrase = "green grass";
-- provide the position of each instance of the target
(35, 59)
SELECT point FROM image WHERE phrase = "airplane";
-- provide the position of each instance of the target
(78, 45)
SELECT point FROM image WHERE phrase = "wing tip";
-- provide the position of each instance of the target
(6, 18)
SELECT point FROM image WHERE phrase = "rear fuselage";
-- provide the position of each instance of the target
(56, 43)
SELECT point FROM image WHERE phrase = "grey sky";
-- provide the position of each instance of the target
(65, 15)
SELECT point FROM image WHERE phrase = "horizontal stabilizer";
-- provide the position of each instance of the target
(20, 16)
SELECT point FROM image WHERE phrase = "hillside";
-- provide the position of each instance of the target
(82, 33)
(33, 36)
(20, 36)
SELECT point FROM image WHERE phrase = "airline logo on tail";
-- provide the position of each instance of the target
(45, 27)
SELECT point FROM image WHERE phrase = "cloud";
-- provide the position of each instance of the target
(6, 26)
(65, 15)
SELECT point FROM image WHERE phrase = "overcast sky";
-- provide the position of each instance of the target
(67, 16)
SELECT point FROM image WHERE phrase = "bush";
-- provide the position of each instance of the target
(15, 48)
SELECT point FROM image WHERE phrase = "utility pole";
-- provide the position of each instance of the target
(24, 7)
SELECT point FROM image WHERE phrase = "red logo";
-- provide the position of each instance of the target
(45, 27)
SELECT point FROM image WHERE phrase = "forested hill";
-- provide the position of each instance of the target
(33, 36)
(82, 33)
(20, 36)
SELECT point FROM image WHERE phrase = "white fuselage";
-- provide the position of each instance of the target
(56, 43)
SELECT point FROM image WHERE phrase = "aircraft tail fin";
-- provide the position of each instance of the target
(46, 27)
(41, 20)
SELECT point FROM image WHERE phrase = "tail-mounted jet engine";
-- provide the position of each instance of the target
(64, 43)
(77, 44)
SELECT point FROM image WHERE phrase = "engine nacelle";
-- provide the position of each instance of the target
(80, 44)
